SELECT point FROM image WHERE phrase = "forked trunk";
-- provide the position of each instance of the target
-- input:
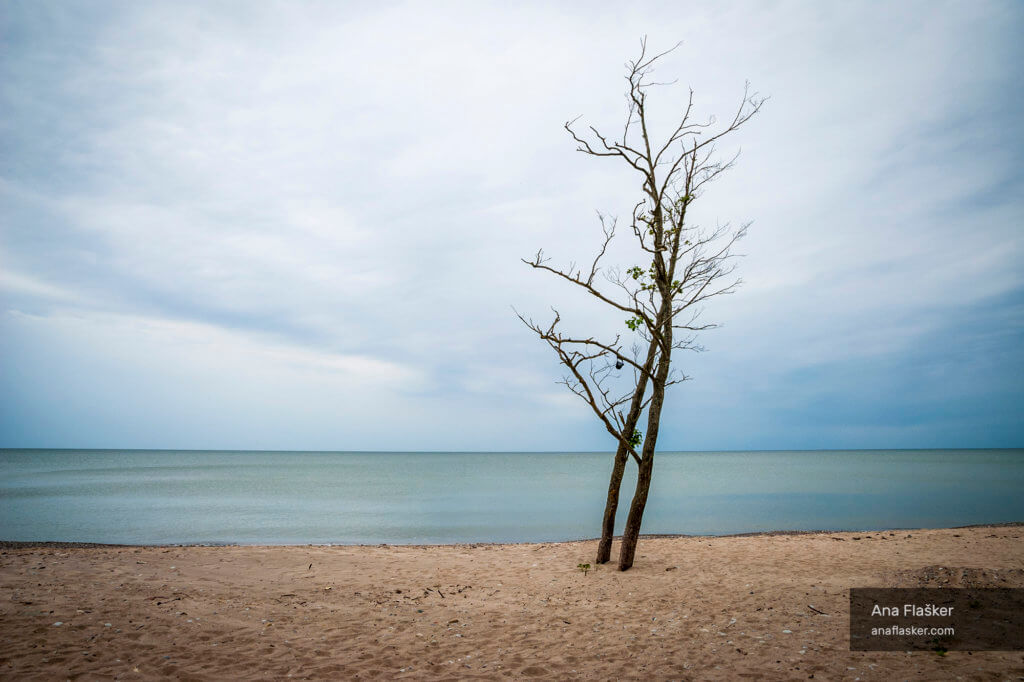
(631, 533)
(611, 507)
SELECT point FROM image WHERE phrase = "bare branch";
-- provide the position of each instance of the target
(585, 379)
(609, 233)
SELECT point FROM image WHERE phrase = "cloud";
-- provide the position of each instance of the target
(308, 192)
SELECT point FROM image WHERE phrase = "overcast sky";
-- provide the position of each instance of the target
(298, 225)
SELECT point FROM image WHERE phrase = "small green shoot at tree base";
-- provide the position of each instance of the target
(583, 567)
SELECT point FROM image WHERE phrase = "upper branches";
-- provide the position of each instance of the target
(686, 265)
(680, 150)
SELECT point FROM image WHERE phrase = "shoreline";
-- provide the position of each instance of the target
(61, 544)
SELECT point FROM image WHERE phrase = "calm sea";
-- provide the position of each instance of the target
(145, 496)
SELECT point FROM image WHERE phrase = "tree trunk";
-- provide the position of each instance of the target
(631, 533)
(611, 507)
(604, 547)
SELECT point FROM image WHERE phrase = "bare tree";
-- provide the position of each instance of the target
(686, 266)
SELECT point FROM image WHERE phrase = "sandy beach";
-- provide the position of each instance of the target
(691, 608)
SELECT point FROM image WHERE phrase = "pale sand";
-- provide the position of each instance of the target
(691, 608)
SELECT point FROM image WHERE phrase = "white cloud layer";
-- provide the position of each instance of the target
(315, 212)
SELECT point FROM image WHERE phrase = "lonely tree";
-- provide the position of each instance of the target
(681, 266)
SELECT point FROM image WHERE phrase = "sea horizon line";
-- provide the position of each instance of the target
(498, 452)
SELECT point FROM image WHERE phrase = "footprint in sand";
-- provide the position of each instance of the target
(533, 671)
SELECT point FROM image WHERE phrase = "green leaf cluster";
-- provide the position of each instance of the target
(638, 273)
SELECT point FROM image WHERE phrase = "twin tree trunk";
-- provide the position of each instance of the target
(631, 533)
(604, 546)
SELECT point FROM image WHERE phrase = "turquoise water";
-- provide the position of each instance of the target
(136, 496)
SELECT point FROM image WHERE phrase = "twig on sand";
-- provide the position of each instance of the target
(816, 610)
